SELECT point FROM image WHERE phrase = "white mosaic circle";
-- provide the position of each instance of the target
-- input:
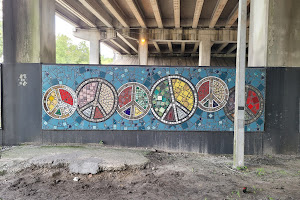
(97, 100)
(174, 99)
(59, 102)
(212, 94)
(134, 101)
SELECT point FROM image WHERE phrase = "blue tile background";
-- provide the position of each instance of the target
(73, 75)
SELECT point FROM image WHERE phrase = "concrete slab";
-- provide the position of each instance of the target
(79, 159)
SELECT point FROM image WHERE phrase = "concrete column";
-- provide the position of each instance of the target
(143, 48)
(29, 31)
(204, 52)
(94, 52)
(274, 33)
(239, 113)
(94, 36)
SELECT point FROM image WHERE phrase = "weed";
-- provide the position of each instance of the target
(282, 172)
(2, 173)
(101, 142)
(260, 172)
(242, 168)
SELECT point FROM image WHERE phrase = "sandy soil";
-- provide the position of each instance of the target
(167, 176)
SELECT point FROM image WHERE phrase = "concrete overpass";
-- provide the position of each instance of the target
(168, 27)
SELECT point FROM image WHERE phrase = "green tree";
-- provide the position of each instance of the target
(105, 61)
(69, 53)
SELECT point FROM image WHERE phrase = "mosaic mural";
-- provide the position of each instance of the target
(148, 98)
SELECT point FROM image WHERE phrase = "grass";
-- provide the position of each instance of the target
(260, 172)
(3, 172)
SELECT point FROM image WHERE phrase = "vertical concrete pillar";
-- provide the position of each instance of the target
(29, 31)
(143, 48)
(94, 51)
(204, 52)
(239, 113)
(274, 33)
(94, 36)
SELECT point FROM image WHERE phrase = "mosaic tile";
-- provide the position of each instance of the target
(213, 94)
(170, 93)
(254, 104)
(134, 101)
(60, 102)
(169, 100)
(98, 100)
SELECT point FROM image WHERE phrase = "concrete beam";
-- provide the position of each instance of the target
(132, 45)
(221, 47)
(115, 48)
(234, 15)
(143, 48)
(87, 34)
(65, 18)
(77, 13)
(195, 47)
(176, 7)
(94, 7)
(182, 47)
(136, 11)
(156, 12)
(191, 35)
(170, 47)
(232, 49)
(205, 52)
(217, 12)
(197, 13)
(121, 46)
(157, 47)
(116, 12)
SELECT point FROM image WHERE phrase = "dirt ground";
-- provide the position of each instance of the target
(166, 176)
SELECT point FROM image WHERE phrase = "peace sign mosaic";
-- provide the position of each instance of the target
(148, 98)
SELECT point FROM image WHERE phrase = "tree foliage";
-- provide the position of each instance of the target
(69, 53)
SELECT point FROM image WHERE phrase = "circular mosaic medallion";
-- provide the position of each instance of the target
(97, 100)
(59, 101)
(212, 94)
(254, 104)
(134, 101)
(174, 99)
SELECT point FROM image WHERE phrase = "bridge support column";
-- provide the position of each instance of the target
(274, 33)
(143, 48)
(29, 31)
(93, 36)
(204, 52)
